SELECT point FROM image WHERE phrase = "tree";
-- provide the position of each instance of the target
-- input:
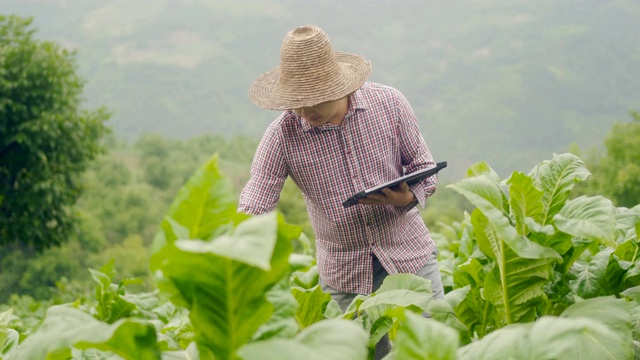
(46, 139)
(621, 167)
(616, 172)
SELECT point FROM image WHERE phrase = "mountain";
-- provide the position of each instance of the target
(509, 82)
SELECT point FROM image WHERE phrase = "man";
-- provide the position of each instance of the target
(337, 135)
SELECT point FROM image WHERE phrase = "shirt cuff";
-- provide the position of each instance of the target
(418, 191)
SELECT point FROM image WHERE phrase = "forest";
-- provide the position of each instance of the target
(116, 247)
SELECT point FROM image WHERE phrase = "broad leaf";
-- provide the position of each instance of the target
(588, 217)
(312, 303)
(307, 279)
(486, 195)
(524, 200)
(556, 178)
(206, 202)
(65, 327)
(4, 331)
(334, 339)
(591, 276)
(632, 293)
(420, 338)
(225, 295)
(552, 338)
(10, 341)
(516, 284)
(627, 224)
(205, 206)
(191, 353)
(470, 272)
(607, 310)
(282, 322)
(444, 313)
(252, 242)
(398, 290)
(482, 168)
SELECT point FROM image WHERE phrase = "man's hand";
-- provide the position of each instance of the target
(400, 196)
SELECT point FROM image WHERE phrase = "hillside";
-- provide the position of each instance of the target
(506, 81)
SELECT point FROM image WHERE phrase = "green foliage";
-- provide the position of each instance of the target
(422, 338)
(616, 172)
(237, 292)
(594, 329)
(111, 305)
(535, 252)
(118, 215)
(9, 338)
(623, 152)
(66, 326)
(330, 339)
(46, 140)
(234, 265)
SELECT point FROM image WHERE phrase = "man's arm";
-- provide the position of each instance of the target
(414, 151)
(268, 174)
(415, 155)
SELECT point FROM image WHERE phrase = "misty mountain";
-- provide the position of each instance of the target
(509, 82)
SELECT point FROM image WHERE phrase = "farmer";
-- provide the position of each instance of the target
(337, 135)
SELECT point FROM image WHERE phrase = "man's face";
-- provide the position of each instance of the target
(327, 112)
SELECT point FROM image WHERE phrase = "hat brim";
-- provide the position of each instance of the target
(266, 92)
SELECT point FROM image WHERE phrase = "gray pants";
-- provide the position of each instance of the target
(430, 271)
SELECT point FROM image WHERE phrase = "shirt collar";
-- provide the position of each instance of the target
(356, 102)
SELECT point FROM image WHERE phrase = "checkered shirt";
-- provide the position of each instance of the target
(378, 141)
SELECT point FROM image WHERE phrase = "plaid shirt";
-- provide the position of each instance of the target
(378, 141)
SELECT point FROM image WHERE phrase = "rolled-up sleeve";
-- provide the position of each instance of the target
(414, 150)
(268, 174)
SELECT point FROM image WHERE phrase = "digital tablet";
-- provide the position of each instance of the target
(409, 179)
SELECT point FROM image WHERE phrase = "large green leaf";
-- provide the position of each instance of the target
(556, 178)
(224, 285)
(9, 338)
(252, 242)
(552, 338)
(334, 339)
(627, 224)
(205, 206)
(588, 217)
(206, 202)
(605, 309)
(65, 327)
(398, 290)
(485, 193)
(111, 303)
(591, 278)
(4, 322)
(312, 303)
(282, 322)
(476, 313)
(516, 283)
(443, 312)
(220, 264)
(421, 338)
(524, 200)
(191, 353)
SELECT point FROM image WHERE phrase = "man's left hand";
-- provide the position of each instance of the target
(400, 196)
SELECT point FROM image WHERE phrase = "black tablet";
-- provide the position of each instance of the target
(409, 179)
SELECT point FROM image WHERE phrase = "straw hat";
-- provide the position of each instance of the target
(310, 73)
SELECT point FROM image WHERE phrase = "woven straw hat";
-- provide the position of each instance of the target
(310, 73)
